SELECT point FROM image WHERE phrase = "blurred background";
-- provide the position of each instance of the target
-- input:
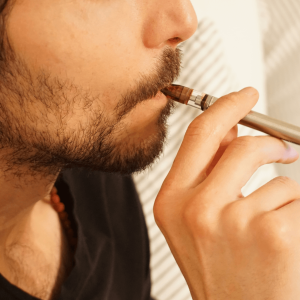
(237, 44)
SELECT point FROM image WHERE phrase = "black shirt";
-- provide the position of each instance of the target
(112, 255)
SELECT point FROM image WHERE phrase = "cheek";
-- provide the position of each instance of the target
(86, 43)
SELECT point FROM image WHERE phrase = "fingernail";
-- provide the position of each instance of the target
(249, 91)
(291, 151)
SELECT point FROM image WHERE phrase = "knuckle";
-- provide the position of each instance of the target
(286, 182)
(200, 126)
(273, 231)
(235, 217)
(160, 212)
(198, 219)
(250, 146)
(157, 213)
(245, 143)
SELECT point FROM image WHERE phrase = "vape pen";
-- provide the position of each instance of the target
(263, 123)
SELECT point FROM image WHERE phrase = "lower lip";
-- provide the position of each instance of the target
(160, 96)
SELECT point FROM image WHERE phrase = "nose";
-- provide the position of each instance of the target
(168, 22)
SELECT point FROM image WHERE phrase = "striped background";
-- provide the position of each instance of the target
(281, 26)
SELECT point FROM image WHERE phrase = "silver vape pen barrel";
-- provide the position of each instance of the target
(263, 123)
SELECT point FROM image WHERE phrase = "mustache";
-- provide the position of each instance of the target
(167, 70)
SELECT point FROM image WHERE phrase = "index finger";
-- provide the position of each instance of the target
(204, 135)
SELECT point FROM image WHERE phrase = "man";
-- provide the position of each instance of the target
(80, 87)
(80, 84)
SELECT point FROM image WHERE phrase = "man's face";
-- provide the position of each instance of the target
(82, 86)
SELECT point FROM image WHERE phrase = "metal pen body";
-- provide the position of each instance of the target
(263, 123)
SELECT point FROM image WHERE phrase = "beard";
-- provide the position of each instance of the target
(98, 145)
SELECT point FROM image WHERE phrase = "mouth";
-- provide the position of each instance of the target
(159, 96)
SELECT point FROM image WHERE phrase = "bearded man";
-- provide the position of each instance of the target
(81, 104)
(80, 88)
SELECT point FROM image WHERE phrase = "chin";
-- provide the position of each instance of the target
(128, 149)
(143, 135)
(135, 153)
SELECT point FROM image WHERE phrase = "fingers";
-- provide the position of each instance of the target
(230, 136)
(204, 135)
(287, 222)
(273, 195)
(291, 213)
(241, 159)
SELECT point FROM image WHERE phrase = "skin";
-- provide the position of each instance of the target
(226, 245)
(73, 94)
(80, 57)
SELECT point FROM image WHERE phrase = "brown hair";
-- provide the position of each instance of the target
(5, 8)
(2, 4)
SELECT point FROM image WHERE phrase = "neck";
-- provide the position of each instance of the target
(18, 197)
(21, 198)
(31, 235)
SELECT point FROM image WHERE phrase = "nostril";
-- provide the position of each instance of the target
(173, 42)
(176, 40)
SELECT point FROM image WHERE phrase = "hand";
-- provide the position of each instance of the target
(226, 245)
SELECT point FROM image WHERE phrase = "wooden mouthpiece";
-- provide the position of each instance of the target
(178, 93)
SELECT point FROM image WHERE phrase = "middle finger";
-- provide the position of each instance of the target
(241, 159)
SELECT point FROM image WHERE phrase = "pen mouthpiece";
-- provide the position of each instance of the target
(177, 93)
